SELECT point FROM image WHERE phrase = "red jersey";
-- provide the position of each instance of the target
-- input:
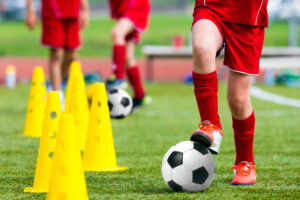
(64, 9)
(248, 12)
(118, 7)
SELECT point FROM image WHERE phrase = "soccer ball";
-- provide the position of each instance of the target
(188, 166)
(119, 102)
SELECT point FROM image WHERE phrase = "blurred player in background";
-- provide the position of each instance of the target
(132, 19)
(239, 24)
(61, 24)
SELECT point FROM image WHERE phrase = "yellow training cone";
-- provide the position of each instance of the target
(47, 144)
(75, 68)
(36, 104)
(99, 154)
(67, 178)
(79, 108)
(89, 93)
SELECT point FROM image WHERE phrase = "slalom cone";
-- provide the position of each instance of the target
(67, 177)
(47, 144)
(79, 108)
(99, 154)
(75, 68)
(89, 93)
(36, 104)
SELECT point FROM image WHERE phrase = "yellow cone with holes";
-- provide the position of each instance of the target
(79, 108)
(75, 68)
(36, 104)
(47, 144)
(99, 154)
(89, 93)
(67, 178)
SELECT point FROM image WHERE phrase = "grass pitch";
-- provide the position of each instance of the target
(142, 139)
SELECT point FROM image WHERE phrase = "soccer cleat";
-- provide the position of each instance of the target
(137, 103)
(209, 135)
(244, 173)
(114, 83)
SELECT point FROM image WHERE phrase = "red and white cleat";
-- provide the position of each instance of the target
(244, 173)
(209, 135)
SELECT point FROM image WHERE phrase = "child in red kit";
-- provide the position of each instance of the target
(132, 18)
(239, 24)
(61, 24)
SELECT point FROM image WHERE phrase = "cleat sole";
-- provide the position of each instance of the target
(201, 138)
(212, 151)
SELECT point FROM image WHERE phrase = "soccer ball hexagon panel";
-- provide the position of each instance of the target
(188, 166)
(119, 103)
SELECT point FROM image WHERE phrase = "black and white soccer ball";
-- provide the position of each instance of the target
(188, 166)
(119, 102)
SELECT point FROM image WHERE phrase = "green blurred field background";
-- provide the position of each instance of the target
(16, 40)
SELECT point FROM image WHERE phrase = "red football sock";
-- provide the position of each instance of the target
(206, 89)
(119, 52)
(243, 137)
(135, 80)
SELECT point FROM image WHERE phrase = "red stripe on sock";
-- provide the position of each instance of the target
(135, 81)
(244, 137)
(119, 52)
(206, 89)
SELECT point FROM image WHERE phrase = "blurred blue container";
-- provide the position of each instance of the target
(188, 78)
(270, 77)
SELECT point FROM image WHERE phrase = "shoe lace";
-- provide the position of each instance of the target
(206, 125)
(243, 168)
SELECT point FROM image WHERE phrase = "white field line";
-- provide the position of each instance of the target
(274, 98)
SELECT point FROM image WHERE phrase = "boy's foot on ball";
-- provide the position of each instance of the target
(114, 83)
(209, 135)
(137, 103)
(244, 173)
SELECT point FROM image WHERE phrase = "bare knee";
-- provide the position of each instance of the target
(56, 55)
(71, 55)
(239, 105)
(118, 36)
(204, 58)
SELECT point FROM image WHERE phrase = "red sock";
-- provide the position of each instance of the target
(206, 89)
(135, 80)
(119, 52)
(243, 137)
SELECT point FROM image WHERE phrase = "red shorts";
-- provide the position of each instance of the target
(138, 12)
(243, 43)
(61, 33)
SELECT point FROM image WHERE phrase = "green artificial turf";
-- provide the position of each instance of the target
(16, 40)
(142, 139)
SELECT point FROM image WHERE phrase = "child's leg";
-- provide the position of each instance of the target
(206, 40)
(55, 62)
(238, 95)
(69, 56)
(133, 73)
(120, 31)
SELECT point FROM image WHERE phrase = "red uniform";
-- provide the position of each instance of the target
(60, 24)
(241, 24)
(137, 11)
